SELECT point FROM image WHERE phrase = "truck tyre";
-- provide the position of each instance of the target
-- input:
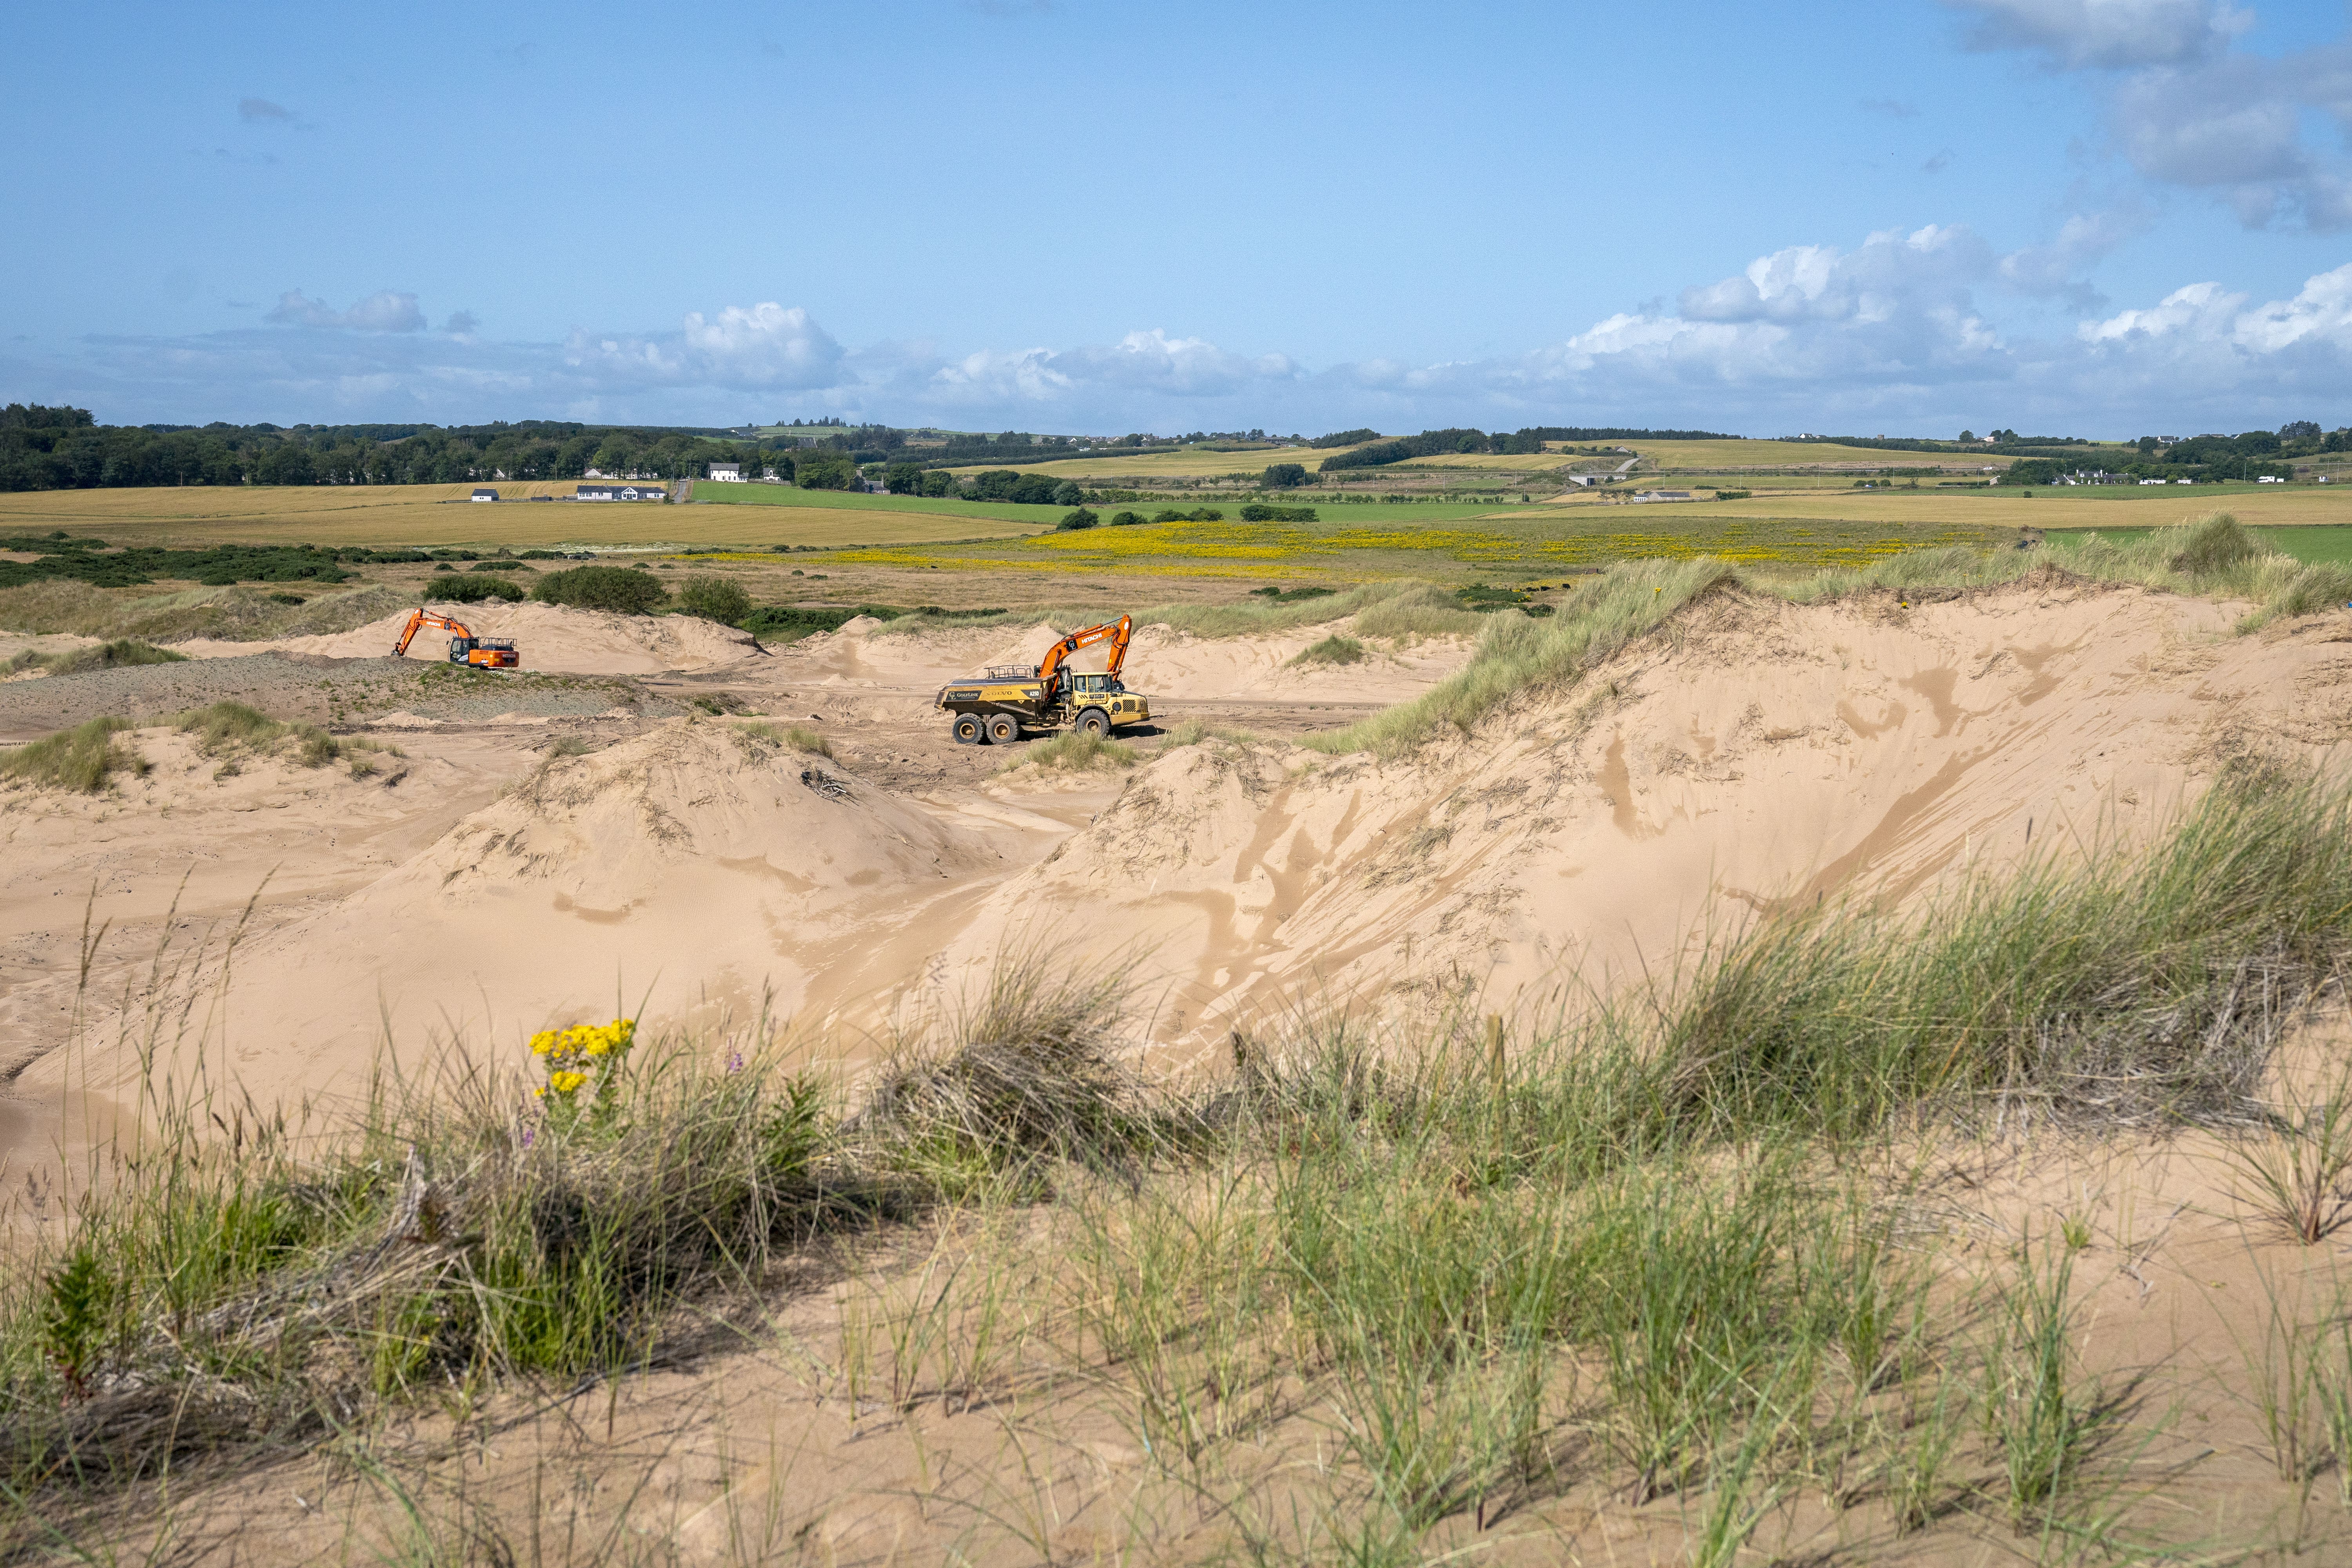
(1094, 722)
(1003, 730)
(966, 729)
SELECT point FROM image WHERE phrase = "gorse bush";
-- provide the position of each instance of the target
(717, 599)
(475, 590)
(615, 588)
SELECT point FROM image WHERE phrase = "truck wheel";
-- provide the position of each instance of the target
(1003, 730)
(966, 729)
(1094, 722)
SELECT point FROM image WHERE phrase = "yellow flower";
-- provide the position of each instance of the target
(542, 1042)
(564, 1082)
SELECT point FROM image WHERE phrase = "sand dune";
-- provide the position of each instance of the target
(550, 636)
(1763, 753)
(1758, 752)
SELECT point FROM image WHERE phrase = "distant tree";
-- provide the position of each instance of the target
(938, 482)
(2299, 430)
(1283, 475)
(994, 484)
(825, 470)
(1032, 489)
(2257, 443)
(1067, 493)
(903, 478)
(1126, 519)
(1081, 517)
(2148, 445)
(1968, 434)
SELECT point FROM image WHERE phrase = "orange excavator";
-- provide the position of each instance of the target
(998, 705)
(465, 648)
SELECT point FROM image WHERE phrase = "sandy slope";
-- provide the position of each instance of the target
(684, 872)
(1161, 662)
(549, 636)
(1764, 752)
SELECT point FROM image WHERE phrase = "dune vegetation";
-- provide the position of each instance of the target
(1657, 1244)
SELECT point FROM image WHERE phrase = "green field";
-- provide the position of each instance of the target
(2323, 543)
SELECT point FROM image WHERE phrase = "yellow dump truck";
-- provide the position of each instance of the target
(999, 704)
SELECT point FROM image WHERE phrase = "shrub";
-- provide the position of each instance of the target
(474, 590)
(614, 588)
(1126, 519)
(1081, 517)
(498, 566)
(1283, 476)
(1259, 511)
(714, 599)
(1067, 493)
(79, 759)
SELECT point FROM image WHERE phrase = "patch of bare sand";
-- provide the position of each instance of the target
(685, 874)
(550, 637)
(1759, 753)
(1161, 662)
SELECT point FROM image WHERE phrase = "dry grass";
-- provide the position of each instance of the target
(1073, 752)
(79, 760)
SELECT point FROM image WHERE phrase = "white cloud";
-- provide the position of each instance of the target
(2106, 34)
(2186, 107)
(1887, 335)
(385, 311)
(2050, 271)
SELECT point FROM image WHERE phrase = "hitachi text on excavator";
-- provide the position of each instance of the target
(465, 648)
(1001, 702)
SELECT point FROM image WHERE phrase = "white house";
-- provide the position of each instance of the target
(1662, 495)
(730, 472)
(619, 492)
(483, 492)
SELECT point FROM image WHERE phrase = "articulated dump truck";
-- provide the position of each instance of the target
(1000, 704)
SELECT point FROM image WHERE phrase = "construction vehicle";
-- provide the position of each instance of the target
(465, 648)
(998, 704)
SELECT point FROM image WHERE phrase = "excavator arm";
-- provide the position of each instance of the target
(418, 621)
(1115, 631)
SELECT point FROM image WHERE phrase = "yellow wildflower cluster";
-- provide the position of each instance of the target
(574, 1055)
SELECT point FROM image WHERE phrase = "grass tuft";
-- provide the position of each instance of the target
(1075, 752)
(1337, 648)
(80, 759)
(797, 737)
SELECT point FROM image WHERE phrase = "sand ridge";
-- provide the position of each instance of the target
(1761, 751)
(550, 637)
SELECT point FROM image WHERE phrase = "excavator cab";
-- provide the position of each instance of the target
(488, 653)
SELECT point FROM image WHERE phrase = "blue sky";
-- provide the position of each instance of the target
(2101, 216)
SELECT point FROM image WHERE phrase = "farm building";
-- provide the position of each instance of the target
(620, 492)
(730, 472)
(1662, 495)
(1588, 481)
(483, 492)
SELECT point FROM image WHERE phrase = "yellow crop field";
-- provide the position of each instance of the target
(193, 516)
(1521, 542)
